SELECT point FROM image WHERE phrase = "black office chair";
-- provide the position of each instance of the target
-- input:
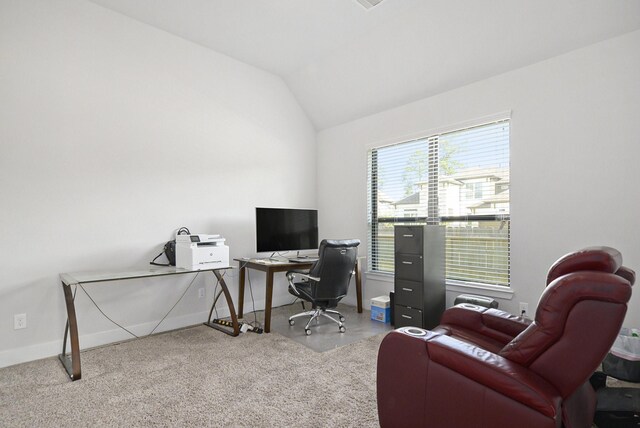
(327, 281)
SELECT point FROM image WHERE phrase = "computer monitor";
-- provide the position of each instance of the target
(286, 229)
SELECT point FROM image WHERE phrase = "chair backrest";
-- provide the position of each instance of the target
(335, 265)
(577, 320)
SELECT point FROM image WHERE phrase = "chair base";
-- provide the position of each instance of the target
(315, 314)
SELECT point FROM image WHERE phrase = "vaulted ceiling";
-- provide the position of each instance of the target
(343, 61)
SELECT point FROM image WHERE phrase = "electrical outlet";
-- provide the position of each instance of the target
(200, 293)
(524, 309)
(19, 321)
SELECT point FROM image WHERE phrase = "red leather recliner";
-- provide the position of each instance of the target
(485, 368)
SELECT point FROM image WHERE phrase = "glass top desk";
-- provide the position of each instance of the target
(72, 362)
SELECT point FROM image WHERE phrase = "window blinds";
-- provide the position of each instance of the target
(458, 179)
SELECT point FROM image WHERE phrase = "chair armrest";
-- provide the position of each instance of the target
(302, 274)
(493, 323)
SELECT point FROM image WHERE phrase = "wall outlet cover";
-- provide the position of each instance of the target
(19, 321)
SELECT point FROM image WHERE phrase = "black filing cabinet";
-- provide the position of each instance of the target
(419, 286)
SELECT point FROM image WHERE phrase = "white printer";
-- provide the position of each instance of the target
(199, 251)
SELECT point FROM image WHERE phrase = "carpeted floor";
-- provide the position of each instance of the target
(198, 377)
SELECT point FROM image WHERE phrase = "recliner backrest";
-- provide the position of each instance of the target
(628, 274)
(335, 265)
(604, 259)
(577, 320)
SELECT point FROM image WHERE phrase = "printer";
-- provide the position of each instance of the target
(199, 251)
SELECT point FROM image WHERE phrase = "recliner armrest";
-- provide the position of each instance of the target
(405, 364)
(493, 323)
(495, 372)
(505, 322)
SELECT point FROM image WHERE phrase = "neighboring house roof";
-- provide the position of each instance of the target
(383, 198)
(451, 180)
(498, 198)
(411, 199)
(501, 174)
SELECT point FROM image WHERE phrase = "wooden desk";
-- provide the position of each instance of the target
(270, 269)
(71, 362)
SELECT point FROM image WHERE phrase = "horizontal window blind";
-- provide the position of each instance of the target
(474, 203)
(458, 179)
(398, 177)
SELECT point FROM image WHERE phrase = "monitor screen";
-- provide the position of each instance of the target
(286, 229)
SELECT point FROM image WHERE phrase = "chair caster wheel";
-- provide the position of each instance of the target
(291, 322)
(342, 319)
(342, 329)
(307, 331)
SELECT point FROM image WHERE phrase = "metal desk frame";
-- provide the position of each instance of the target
(71, 362)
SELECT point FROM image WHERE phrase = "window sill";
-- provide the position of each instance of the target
(378, 276)
(486, 290)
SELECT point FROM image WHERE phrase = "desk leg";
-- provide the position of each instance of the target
(71, 362)
(359, 286)
(241, 290)
(269, 300)
(234, 319)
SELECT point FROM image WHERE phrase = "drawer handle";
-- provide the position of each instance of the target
(407, 289)
(407, 236)
(407, 263)
(407, 317)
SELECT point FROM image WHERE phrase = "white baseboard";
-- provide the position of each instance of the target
(49, 349)
(53, 348)
(30, 353)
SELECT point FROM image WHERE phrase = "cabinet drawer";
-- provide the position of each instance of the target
(408, 293)
(408, 239)
(408, 267)
(407, 317)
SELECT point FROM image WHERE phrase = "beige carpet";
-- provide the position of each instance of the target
(198, 377)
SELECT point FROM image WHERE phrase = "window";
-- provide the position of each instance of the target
(473, 190)
(457, 179)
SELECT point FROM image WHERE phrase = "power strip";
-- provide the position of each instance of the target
(244, 327)
(248, 327)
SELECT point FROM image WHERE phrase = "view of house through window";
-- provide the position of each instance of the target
(457, 179)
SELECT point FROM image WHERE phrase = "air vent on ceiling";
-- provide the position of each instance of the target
(368, 4)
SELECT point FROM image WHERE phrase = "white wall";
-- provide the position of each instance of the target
(112, 135)
(574, 159)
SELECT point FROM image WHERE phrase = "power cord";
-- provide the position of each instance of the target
(175, 304)
(105, 315)
(124, 328)
(183, 231)
(255, 323)
(215, 291)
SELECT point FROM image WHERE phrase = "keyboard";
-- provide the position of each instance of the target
(303, 260)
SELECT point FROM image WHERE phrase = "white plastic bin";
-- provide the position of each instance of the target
(623, 361)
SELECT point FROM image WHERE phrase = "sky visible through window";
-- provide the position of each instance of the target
(463, 150)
